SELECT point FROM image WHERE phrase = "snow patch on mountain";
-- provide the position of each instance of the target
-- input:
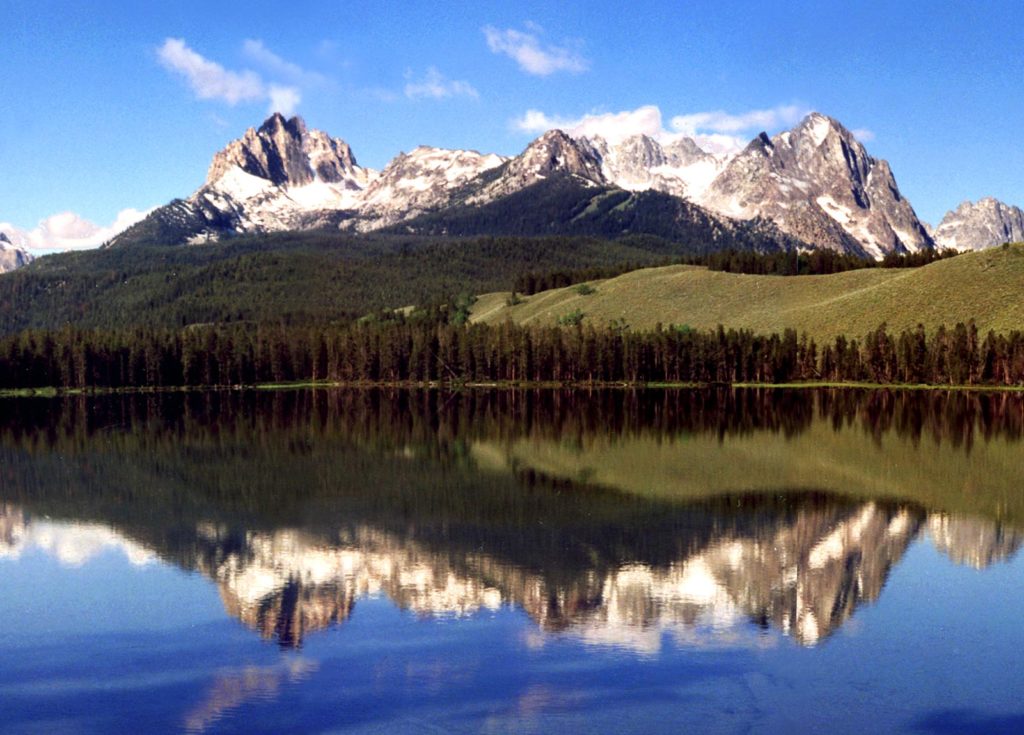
(815, 182)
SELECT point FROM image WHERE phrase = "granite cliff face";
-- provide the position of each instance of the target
(979, 225)
(817, 182)
(11, 257)
(639, 162)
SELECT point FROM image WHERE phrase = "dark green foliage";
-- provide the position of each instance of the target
(573, 319)
(814, 263)
(434, 347)
(782, 263)
(291, 278)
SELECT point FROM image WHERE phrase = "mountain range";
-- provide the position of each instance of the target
(814, 186)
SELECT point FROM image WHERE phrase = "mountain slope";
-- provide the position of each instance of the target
(297, 278)
(976, 226)
(571, 204)
(981, 286)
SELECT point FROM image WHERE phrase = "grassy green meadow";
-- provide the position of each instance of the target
(984, 286)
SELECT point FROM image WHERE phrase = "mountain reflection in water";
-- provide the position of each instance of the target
(801, 566)
(733, 507)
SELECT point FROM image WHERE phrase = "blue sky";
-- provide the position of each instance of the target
(110, 106)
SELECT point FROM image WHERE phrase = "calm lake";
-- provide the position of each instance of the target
(500, 561)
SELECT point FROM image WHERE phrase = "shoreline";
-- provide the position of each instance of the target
(53, 392)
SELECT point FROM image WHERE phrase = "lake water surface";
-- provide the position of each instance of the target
(485, 561)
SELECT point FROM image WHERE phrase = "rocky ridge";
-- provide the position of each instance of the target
(11, 256)
(815, 183)
(978, 225)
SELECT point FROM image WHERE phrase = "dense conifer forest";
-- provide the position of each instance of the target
(295, 278)
(436, 347)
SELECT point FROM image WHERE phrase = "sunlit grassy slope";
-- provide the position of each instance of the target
(984, 286)
(987, 479)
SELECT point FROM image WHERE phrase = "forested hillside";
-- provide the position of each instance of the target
(293, 278)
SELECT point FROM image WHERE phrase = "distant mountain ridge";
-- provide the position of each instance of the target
(816, 184)
(978, 225)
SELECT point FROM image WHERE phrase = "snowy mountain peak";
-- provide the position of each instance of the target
(555, 152)
(11, 256)
(284, 153)
(817, 127)
(639, 162)
(817, 182)
(420, 181)
(984, 224)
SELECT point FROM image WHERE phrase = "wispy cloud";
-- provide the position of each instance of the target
(612, 126)
(717, 132)
(719, 121)
(533, 56)
(211, 81)
(281, 69)
(863, 135)
(69, 231)
(434, 85)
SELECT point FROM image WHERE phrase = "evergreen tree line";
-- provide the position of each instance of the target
(782, 263)
(442, 422)
(429, 350)
(814, 263)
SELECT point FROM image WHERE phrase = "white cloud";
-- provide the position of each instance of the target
(211, 81)
(69, 231)
(208, 79)
(532, 56)
(715, 132)
(723, 122)
(863, 135)
(435, 86)
(72, 544)
(283, 99)
(612, 126)
(258, 53)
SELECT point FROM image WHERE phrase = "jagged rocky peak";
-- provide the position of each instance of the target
(12, 257)
(642, 150)
(556, 152)
(285, 152)
(978, 225)
(818, 183)
(640, 162)
(553, 153)
(422, 180)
